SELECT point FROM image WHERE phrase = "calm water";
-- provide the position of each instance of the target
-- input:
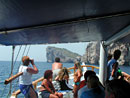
(5, 70)
(5, 67)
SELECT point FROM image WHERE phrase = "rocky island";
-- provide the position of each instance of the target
(64, 54)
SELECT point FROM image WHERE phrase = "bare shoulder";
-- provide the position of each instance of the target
(60, 64)
(57, 65)
(44, 81)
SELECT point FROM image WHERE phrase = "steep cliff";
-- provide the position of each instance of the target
(93, 52)
(64, 54)
(125, 52)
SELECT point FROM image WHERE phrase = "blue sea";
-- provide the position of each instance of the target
(5, 70)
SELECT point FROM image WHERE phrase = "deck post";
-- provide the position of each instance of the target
(103, 63)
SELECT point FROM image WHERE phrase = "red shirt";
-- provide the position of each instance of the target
(82, 84)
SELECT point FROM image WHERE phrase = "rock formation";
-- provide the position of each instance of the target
(64, 54)
(125, 52)
(93, 52)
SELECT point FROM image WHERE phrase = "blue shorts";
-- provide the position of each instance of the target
(25, 90)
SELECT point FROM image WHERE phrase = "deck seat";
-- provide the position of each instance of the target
(56, 85)
(66, 93)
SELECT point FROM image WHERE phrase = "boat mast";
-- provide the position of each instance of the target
(12, 65)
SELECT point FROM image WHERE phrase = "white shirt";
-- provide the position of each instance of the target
(26, 78)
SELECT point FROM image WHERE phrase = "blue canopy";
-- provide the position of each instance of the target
(62, 21)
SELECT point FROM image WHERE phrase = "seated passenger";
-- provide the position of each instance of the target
(93, 88)
(126, 76)
(56, 66)
(63, 78)
(47, 89)
(83, 85)
(117, 88)
(77, 77)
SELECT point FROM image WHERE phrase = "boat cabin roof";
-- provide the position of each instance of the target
(62, 21)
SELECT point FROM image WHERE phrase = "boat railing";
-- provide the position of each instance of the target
(16, 93)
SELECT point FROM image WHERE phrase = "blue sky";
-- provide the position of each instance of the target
(38, 52)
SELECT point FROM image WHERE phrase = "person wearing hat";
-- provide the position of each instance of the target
(25, 80)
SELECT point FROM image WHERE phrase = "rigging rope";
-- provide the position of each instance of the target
(17, 55)
(23, 53)
(28, 50)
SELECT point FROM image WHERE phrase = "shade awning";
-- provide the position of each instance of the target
(62, 21)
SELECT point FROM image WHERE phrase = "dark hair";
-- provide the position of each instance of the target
(47, 74)
(93, 82)
(117, 54)
(88, 73)
(57, 59)
(118, 87)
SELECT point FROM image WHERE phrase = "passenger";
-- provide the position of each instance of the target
(116, 72)
(93, 88)
(83, 85)
(25, 81)
(77, 77)
(117, 88)
(63, 78)
(126, 76)
(47, 89)
(112, 66)
(56, 66)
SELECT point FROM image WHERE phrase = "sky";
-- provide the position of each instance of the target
(38, 52)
